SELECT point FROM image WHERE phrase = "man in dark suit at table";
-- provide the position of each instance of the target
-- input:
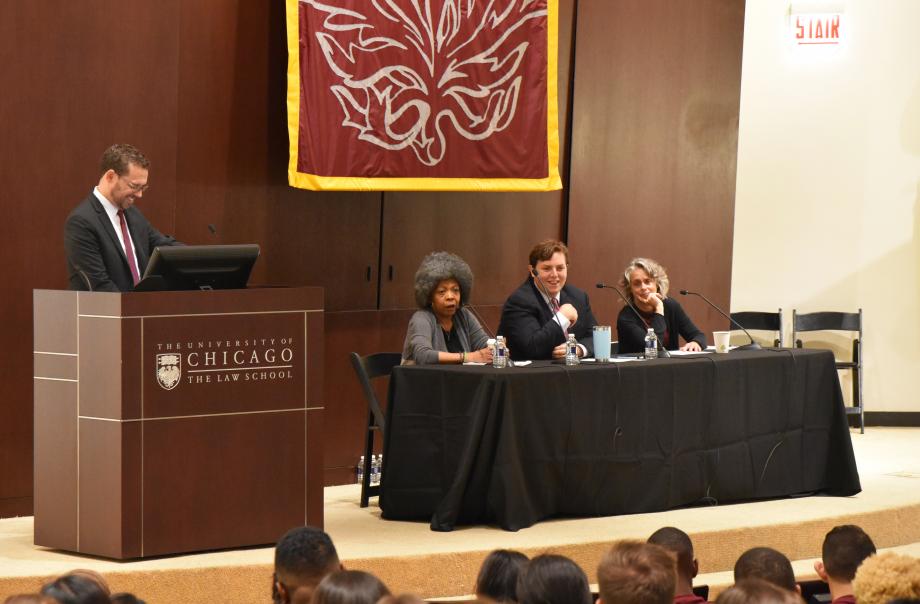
(537, 317)
(107, 240)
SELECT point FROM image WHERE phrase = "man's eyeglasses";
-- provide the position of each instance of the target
(136, 187)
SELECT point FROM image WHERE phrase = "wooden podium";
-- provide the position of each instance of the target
(170, 422)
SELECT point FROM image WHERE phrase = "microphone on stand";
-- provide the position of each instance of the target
(479, 318)
(662, 351)
(752, 346)
(89, 284)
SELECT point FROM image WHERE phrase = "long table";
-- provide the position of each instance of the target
(474, 445)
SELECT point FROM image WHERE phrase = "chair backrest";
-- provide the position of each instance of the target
(370, 367)
(761, 321)
(823, 321)
(830, 321)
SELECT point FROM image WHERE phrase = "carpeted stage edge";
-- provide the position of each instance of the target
(411, 558)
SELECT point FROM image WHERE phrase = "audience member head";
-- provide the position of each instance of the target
(349, 587)
(552, 579)
(303, 556)
(77, 587)
(641, 269)
(678, 543)
(499, 574)
(885, 577)
(402, 599)
(757, 591)
(768, 564)
(845, 547)
(439, 268)
(126, 598)
(633, 572)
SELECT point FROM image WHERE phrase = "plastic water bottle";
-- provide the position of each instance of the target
(571, 351)
(651, 344)
(500, 355)
(359, 471)
(375, 470)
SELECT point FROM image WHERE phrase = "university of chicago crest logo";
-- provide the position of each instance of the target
(169, 370)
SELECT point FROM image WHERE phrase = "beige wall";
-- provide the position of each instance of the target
(827, 213)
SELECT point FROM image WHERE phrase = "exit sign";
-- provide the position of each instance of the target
(816, 28)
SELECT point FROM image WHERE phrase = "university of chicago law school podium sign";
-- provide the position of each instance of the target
(166, 421)
(443, 95)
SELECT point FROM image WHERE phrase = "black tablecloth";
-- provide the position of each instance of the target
(513, 446)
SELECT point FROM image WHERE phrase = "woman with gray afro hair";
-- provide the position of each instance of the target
(443, 330)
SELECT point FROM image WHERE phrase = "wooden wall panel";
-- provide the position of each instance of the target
(200, 88)
(76, 77)
(232, 160)
(654, 143)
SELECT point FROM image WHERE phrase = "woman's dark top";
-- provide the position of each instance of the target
(452, 339)
(675, 322)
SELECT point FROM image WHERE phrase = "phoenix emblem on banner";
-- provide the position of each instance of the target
(440, 64)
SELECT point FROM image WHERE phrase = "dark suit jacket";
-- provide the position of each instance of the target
(631, 331)
(92, 246)
(529, 328)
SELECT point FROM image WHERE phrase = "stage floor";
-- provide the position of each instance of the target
(410, 557)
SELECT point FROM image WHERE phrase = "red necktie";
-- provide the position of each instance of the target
(555, 304)
(132, 263)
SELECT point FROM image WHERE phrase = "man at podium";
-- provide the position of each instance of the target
(107, 240)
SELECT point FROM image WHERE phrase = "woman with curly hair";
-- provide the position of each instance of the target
(646, 284)
(443, 330)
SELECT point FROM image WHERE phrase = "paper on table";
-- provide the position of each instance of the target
(682, 353)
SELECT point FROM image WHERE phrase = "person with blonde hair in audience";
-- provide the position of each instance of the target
(553, 579)
(757, 591)
(498, 576)
(769, 565)
(844, 549)
(679, 544)
(633, 572)
(303, 556)
(886, 577)
(349, 587)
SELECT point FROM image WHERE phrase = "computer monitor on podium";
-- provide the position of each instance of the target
(194, 267)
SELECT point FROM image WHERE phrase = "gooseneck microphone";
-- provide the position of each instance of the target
(478, 318)
(752, 346)
(89, 284)
(662, 350)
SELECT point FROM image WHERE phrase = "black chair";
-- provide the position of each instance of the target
(762, 321)
(838, 321)
(368, 368)
(815, 591)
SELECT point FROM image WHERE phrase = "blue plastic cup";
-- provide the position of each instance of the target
(602, 342)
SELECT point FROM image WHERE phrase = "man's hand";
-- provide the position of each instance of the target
(691, 347)
(568, 311)
(559, 351)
